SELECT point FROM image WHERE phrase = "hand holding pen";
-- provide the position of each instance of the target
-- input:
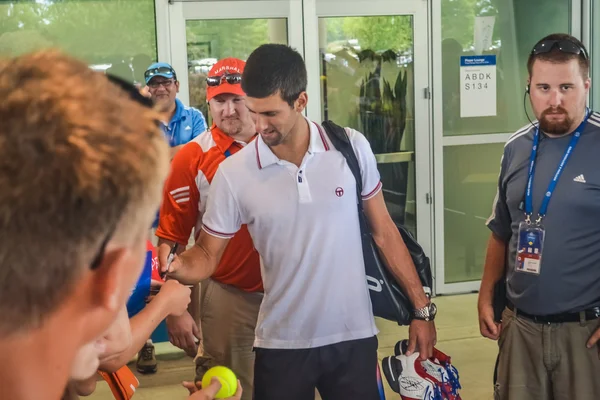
(170, 258)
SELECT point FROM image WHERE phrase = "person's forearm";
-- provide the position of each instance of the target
(165, 243)
(164, 246)
(194, 306)
(142, 326)
(85, 387)
(197, 265)
(398, 259)
(118, 337)
(493, 269)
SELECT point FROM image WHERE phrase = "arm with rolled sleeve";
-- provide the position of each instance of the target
(220, 223)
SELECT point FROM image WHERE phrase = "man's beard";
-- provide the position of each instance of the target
(274, 138)
(232, 126)
(555, 127)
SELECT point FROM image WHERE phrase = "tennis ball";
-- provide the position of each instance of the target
(226, 377)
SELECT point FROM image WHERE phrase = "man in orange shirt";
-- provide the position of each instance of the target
(231, 298)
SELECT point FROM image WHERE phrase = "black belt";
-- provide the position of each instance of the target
(586, 315)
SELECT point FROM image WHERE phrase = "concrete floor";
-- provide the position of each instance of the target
(458, 336)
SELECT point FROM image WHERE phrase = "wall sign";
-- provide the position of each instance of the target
(477, 86)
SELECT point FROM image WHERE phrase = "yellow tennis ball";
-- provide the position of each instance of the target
(226, 377)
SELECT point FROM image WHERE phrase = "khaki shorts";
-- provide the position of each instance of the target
(228, 320)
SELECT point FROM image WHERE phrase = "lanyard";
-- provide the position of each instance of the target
(554, 181)
(227, 153)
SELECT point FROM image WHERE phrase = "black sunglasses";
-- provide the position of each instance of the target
(232, 79)
(160, 70)
(131, 90)
(97, 260)
(566, 46)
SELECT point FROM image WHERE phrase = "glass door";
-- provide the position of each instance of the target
(368, 68)
(370, 65)
(205, 31)
(469, 145)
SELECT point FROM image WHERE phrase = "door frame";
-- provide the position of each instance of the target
(172, 47)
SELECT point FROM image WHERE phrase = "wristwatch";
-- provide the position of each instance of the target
(426, 313)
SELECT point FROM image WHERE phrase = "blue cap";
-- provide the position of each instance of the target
(159, 69)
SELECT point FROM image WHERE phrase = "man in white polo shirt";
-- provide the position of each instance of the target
(297, 196)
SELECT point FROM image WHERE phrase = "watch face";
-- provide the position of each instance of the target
(432, 310)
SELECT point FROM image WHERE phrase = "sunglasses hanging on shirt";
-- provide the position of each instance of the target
(232, 79)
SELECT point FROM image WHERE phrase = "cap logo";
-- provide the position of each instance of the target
(226, 68)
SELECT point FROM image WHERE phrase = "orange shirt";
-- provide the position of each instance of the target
(184, 202)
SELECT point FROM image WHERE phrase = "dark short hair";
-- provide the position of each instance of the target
(559, 57)
(274, 68)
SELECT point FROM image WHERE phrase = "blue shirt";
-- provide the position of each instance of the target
(186, 124)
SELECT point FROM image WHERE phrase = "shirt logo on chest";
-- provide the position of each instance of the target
(580, 179)
(339, 192)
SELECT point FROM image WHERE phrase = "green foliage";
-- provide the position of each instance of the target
(458, 18)
(380, 33)
(382, 109)
(231, 38)
(96, 31)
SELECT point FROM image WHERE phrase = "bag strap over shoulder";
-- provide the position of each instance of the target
(340, 140)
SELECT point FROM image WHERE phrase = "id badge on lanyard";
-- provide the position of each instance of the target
(530, 241)
(530, 247)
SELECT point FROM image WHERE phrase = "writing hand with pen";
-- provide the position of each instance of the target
(183, 331)
(175, 266)
(196, 263)
(172, 254)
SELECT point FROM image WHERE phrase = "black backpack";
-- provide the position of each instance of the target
(387, 298)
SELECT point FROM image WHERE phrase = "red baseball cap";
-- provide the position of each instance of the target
(226, 66)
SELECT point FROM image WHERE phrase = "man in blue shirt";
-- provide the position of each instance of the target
(184, 123)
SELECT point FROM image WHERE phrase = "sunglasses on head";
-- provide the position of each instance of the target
(232, 79)
(160, 70)
(566, 46)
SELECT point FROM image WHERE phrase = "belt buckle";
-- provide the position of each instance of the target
(594, 314)
(542, 320)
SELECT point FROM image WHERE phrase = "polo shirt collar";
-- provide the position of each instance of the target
(178, 111)
(317, 143)
(223, 141)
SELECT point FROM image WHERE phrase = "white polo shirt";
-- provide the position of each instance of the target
(304, 224)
